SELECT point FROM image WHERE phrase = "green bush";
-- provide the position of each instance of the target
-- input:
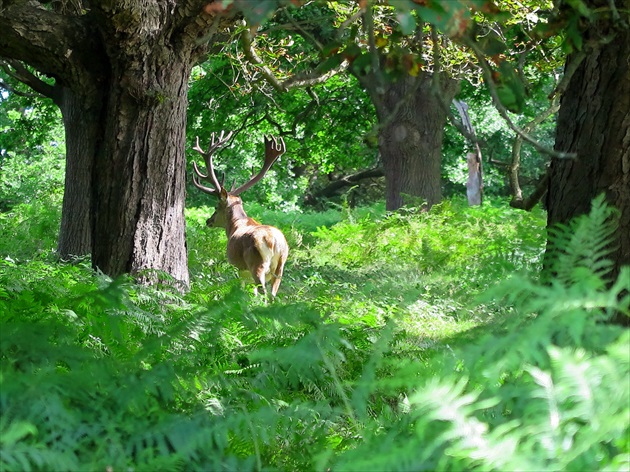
(32, 151)
(30, 229)
(549, 392)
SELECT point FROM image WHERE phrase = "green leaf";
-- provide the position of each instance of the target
(16, 432)
(434, 15)
(574, 39)
(363, 63)
(581, 8)
(257, 12)
(330, 63)
(491, 44)
(352, 51)
(407, 22)
(331, 49)
(510, 89)
(507, 97)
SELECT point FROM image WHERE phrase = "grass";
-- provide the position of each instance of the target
(364, 267)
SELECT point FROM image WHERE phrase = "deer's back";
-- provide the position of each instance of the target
(250, 246)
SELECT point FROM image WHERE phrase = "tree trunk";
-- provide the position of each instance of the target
(594, 123)
(81, 124)
(411, 123)
(139, 183)
(126, 65)
(474, 183)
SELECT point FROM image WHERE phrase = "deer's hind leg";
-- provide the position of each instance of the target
(257, 267)
(277, 274)
(259, 273)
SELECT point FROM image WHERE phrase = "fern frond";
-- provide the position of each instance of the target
(582, 247)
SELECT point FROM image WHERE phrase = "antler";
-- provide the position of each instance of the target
(207, 157)
(274, 148)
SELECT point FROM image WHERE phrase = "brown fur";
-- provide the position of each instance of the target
(259, 250)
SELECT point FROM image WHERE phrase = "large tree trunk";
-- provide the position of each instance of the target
(412, 124)
(127, 65)
(81, 124)
(140, 172)
(594, 123)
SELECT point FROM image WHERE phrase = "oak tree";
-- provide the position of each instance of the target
(120, 72)
(388, 59)
(594, 119)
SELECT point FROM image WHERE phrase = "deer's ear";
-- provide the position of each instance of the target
(224, 193)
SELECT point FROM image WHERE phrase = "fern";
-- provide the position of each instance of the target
(550, 392)
(379, 366)
(580, 250)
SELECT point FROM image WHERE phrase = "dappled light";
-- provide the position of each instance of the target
(433, 195)
(436, 354)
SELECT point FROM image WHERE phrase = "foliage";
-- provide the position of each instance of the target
(29, 230)
(404, 341)
(329, 128)
(373, 356)
(324, 127)
(469, 240)
(327, 137)
(496, 142)
(32, 151)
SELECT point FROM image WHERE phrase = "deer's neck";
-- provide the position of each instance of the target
(237, 218)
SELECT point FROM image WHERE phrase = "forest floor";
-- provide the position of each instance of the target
(403, 341)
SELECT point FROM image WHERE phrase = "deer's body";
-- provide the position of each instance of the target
(258, 251)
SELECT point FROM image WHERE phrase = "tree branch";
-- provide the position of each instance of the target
(462, 108)
(17, 71)
(437, 91)
(40, 37)
(306, 79)
(487, 74)
(15, 91)
(347, 22)
(530, 202)
(517, 193)
(346, 181)
(368, 22)
(303, 32)
(57, 45)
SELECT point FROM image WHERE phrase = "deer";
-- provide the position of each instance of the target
(258, 251)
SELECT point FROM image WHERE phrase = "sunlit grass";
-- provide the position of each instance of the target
(365, 267)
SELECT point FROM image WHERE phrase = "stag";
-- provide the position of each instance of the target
(257, 250)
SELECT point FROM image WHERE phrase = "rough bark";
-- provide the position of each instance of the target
(139, 222)
(411, 127)
(121, 72)
(82, 130)
(594, 123)
(63, 47)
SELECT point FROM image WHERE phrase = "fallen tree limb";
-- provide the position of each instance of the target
(335, 186)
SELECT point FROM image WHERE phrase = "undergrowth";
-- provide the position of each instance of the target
(412, 341)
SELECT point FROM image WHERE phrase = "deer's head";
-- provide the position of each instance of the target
(229, 203)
